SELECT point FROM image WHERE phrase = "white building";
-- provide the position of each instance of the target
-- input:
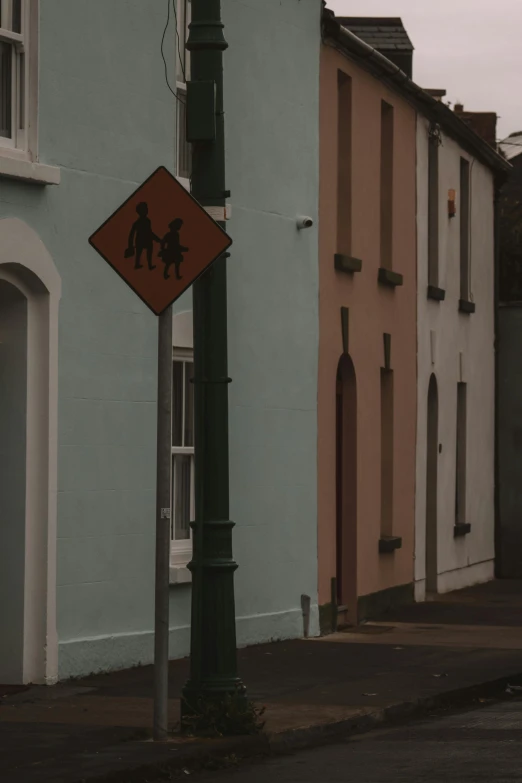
(455, 513)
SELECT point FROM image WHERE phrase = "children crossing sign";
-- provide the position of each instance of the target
(160, 240)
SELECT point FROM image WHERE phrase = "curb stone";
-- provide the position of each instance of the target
(134, 762)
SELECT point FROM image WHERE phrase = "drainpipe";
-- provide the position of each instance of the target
(498, 556)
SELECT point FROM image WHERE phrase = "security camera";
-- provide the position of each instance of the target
(304, 222)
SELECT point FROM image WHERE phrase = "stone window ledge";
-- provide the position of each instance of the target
(347, 263)
(465, 306)
(462, 530)
(179, 575)
(389, 278)
(388, 544)
(25, 170)
(436, 293)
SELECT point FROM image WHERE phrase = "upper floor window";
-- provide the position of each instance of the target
(464, 229)
(433, 208)
(183, 152)
(344, 169)
(16, 48)
(387, 133)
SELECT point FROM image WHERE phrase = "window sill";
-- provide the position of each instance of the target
(185, 182)
(436, 293)
(388, 544)
(466, 306)
(179, 575)
(347, 263)
(20, 168)
(461, 530)
(389, 278)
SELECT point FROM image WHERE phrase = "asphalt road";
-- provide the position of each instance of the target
(482, 745)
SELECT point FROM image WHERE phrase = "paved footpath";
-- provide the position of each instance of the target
(464, 646)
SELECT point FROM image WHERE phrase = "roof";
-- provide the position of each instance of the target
(512, 146)
(383, 33)
(367, 57)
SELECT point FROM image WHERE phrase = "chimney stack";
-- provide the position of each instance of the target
(484, 123)
(437, 94)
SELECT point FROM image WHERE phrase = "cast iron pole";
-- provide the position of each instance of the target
(163, 505)
(213, 662)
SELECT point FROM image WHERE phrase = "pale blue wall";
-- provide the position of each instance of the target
(272, 127)
(107, 119)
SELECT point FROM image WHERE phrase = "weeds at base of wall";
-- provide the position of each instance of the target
(233, 715)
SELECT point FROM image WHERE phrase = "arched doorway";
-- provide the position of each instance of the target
(13, 406)
(29, 298)
(346, 489)
(432, 459)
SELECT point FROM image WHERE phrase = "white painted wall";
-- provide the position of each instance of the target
(456, 347)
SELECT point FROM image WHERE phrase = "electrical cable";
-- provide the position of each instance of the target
(163, 55)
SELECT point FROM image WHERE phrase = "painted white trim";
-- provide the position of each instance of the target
(419, 591)
(27, 43)
(181, 549)
(17, 167)
(460, 578)
(183, 331)
(25, 263)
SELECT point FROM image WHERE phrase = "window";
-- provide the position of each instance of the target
(344, 170)
(464, 230)
(182, 458)
(183, 154)
(433, 211)
(386, 185)
(460, 481)
(15, 19)
(386, 452)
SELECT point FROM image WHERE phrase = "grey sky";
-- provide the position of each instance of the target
(471, 48)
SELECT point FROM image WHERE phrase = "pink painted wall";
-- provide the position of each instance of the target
(373, 310)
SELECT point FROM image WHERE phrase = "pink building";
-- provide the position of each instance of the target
(367, 393)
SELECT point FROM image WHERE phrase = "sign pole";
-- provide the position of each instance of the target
(213, 656)
(163, 514)
(160, 241)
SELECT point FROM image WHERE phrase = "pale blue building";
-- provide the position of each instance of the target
(85, 116)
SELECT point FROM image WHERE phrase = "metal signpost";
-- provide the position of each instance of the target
(159, 242)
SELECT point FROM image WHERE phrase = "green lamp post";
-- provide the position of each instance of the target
(213, 666)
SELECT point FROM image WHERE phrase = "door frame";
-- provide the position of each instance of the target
(26, 264)
(432, 459)
(346, 487)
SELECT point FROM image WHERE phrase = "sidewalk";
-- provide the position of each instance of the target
(462, 646)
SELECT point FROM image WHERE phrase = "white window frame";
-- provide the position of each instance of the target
(181, 550)
(23, 44)
(181, 86)
(19, 154)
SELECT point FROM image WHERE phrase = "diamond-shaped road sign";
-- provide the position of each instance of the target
(160, 240)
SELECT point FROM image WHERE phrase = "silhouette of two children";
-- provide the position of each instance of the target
(142, 237)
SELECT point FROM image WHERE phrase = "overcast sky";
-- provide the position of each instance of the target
(471, 48)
